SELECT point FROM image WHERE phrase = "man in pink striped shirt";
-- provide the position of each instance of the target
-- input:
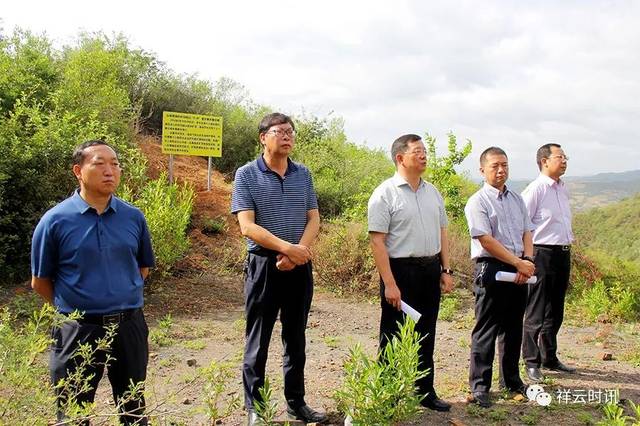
(547, 201)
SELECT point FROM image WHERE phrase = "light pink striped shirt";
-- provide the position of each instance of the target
(547, 202)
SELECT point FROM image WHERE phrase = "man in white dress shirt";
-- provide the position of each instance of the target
(547, 201)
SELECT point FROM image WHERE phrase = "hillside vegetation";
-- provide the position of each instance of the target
(613, 230)
(101, 87)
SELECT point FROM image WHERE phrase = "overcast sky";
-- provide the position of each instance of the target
(513, 74)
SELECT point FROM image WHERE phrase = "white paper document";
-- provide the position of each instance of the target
(511, 277)
(415, 315)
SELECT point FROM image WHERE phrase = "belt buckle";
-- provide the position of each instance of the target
(566, 248)
(111, 318)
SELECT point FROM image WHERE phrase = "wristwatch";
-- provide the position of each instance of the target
(529, 258)
(447, 271)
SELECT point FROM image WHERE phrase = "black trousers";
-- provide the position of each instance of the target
(419, 285)
(545, 305)
(499, 309)
(129, 353)
(268, 291)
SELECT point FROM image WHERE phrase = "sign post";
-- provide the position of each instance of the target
(191, 134)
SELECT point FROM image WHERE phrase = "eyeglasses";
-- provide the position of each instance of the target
(417, 152)
(560, 156)
(280, 133)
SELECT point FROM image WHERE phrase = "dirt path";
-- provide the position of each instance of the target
(208, 325)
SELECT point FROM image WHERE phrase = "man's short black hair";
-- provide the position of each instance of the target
(78, 153)
(545, 152)
(492, 150)
(400, 145)
(274, 119)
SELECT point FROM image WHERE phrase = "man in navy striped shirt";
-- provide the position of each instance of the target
(277, 209)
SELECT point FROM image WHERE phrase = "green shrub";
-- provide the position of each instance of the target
(343, 261)
(167, 209)
(609, 298)
(382, 391)
(212, 226)
(266, 408)
(344, 173)
(50, 102)
(449, 307)
(26, 397)
(216, 377)
(440, 171)
(161, 335)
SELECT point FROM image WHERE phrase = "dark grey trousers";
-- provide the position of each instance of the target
(268, 292)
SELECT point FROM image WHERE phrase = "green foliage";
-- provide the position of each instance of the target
(167, 209)
(26, 395)
(449, 307)
(50, 102)
(343, 259)
(23, 380)
(344, 173)
(606, 262)
(216, 377)
(613, 415)
(226, 98)
(612, 294)
(441, 172)
(266, 408)
(382, 391)
(161, 336)
(27, 70)
(612, 230)
(212, 226)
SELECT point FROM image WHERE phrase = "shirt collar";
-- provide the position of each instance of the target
(399, 180)
(549, 180)
(83, 207)
(494, 192)
(262, 165)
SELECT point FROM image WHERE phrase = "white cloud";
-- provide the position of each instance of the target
(512, 74)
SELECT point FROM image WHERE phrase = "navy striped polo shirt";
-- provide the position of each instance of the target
(280, 203)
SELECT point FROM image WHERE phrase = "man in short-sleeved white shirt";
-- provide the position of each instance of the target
(408, 233)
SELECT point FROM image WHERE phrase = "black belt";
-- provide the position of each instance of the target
(554, 247)
(106, 319)
(424, 260)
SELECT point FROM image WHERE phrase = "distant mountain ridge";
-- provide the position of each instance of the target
(597, 190)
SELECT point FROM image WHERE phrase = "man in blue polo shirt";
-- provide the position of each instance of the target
(91, 253)
(277, 209)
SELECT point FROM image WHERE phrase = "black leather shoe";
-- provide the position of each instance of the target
(560, 367)
(435, 404)
(306, 414)
(482, 399)
(253, 419)
(534, 374)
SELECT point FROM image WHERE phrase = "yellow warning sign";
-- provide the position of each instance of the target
(191, 134)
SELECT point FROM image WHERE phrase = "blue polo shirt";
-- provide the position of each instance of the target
(93, 260)
(280, 203)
